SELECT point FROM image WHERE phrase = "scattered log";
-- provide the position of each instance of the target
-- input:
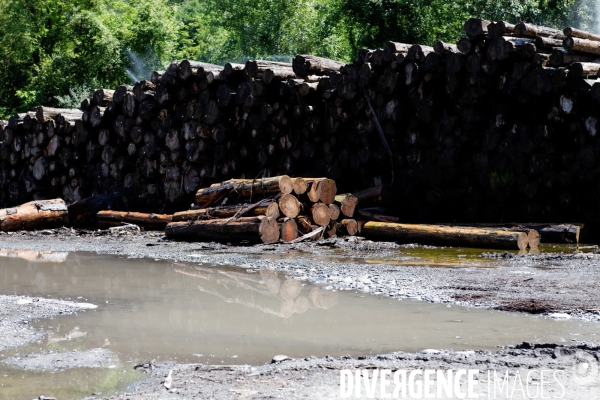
(251, 229)
(109, 218)
(83, 213)
(40, 214)
(446, 235)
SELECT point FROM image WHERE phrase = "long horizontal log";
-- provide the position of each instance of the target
(487, 238)
(268, 208)
(304, 65)
(109, 218)
(40, 214)
(578, 33)
(582, 45)
(244, 189)
(529, 30)
(549, 233)
(251, 229)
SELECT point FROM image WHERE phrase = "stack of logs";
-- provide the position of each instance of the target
(499, 127)
(273, 209)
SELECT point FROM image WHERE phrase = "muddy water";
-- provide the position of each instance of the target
(158, 310)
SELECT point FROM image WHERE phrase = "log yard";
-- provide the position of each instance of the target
(420, 222)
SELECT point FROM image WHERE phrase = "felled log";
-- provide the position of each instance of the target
(304, 65)
(251, 229)
(578, 33)
(289, 230)
(40, 214)
(323, 190)
(582, 45)
(83, 213)
(548, 233)
(347, 203)
(474, 27)
(529, 30)
(349, 226)
(244, 189)
(268, 208)
(109, 218)
(487, 238)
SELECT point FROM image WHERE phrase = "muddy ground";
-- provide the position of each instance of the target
(560, 285)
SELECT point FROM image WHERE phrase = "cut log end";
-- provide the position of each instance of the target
(269, 230)
(289, 230)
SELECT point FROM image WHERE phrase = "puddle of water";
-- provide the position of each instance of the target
(159, 310)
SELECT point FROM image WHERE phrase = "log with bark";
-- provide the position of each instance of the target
(439, 235)
(109, 218)
(35, 215)
(247, 229)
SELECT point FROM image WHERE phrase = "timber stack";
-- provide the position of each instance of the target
(499, 127)
(267, 210)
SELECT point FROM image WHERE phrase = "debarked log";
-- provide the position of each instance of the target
(487, 238)
(109, 218)
(41, 214)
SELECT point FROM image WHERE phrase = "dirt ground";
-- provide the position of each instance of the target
(555, 284)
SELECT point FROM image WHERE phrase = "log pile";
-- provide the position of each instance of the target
(499, 127)
(267, 210)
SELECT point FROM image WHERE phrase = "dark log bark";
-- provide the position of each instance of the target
(529, 30)
(573, 32)
(442, 48)
(304, 65)
(501, 28)
(474, 27)
(102, 97)
(251, 229)
(582, 45)
(244, 189)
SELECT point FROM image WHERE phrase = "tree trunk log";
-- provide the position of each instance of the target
(109, 218)
(244, 189)
(41, 214)
(446, 235)
(304, 65)
(251, 229)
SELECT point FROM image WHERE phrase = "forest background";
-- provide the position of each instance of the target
(56, 52)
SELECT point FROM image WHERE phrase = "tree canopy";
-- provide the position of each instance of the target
(55, 52)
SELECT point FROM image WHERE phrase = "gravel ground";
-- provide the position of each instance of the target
(95, 358)
(16, 313)
(319, 378)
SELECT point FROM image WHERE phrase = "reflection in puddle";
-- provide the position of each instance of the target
(159, 310)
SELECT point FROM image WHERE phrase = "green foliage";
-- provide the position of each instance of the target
(54, 51)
